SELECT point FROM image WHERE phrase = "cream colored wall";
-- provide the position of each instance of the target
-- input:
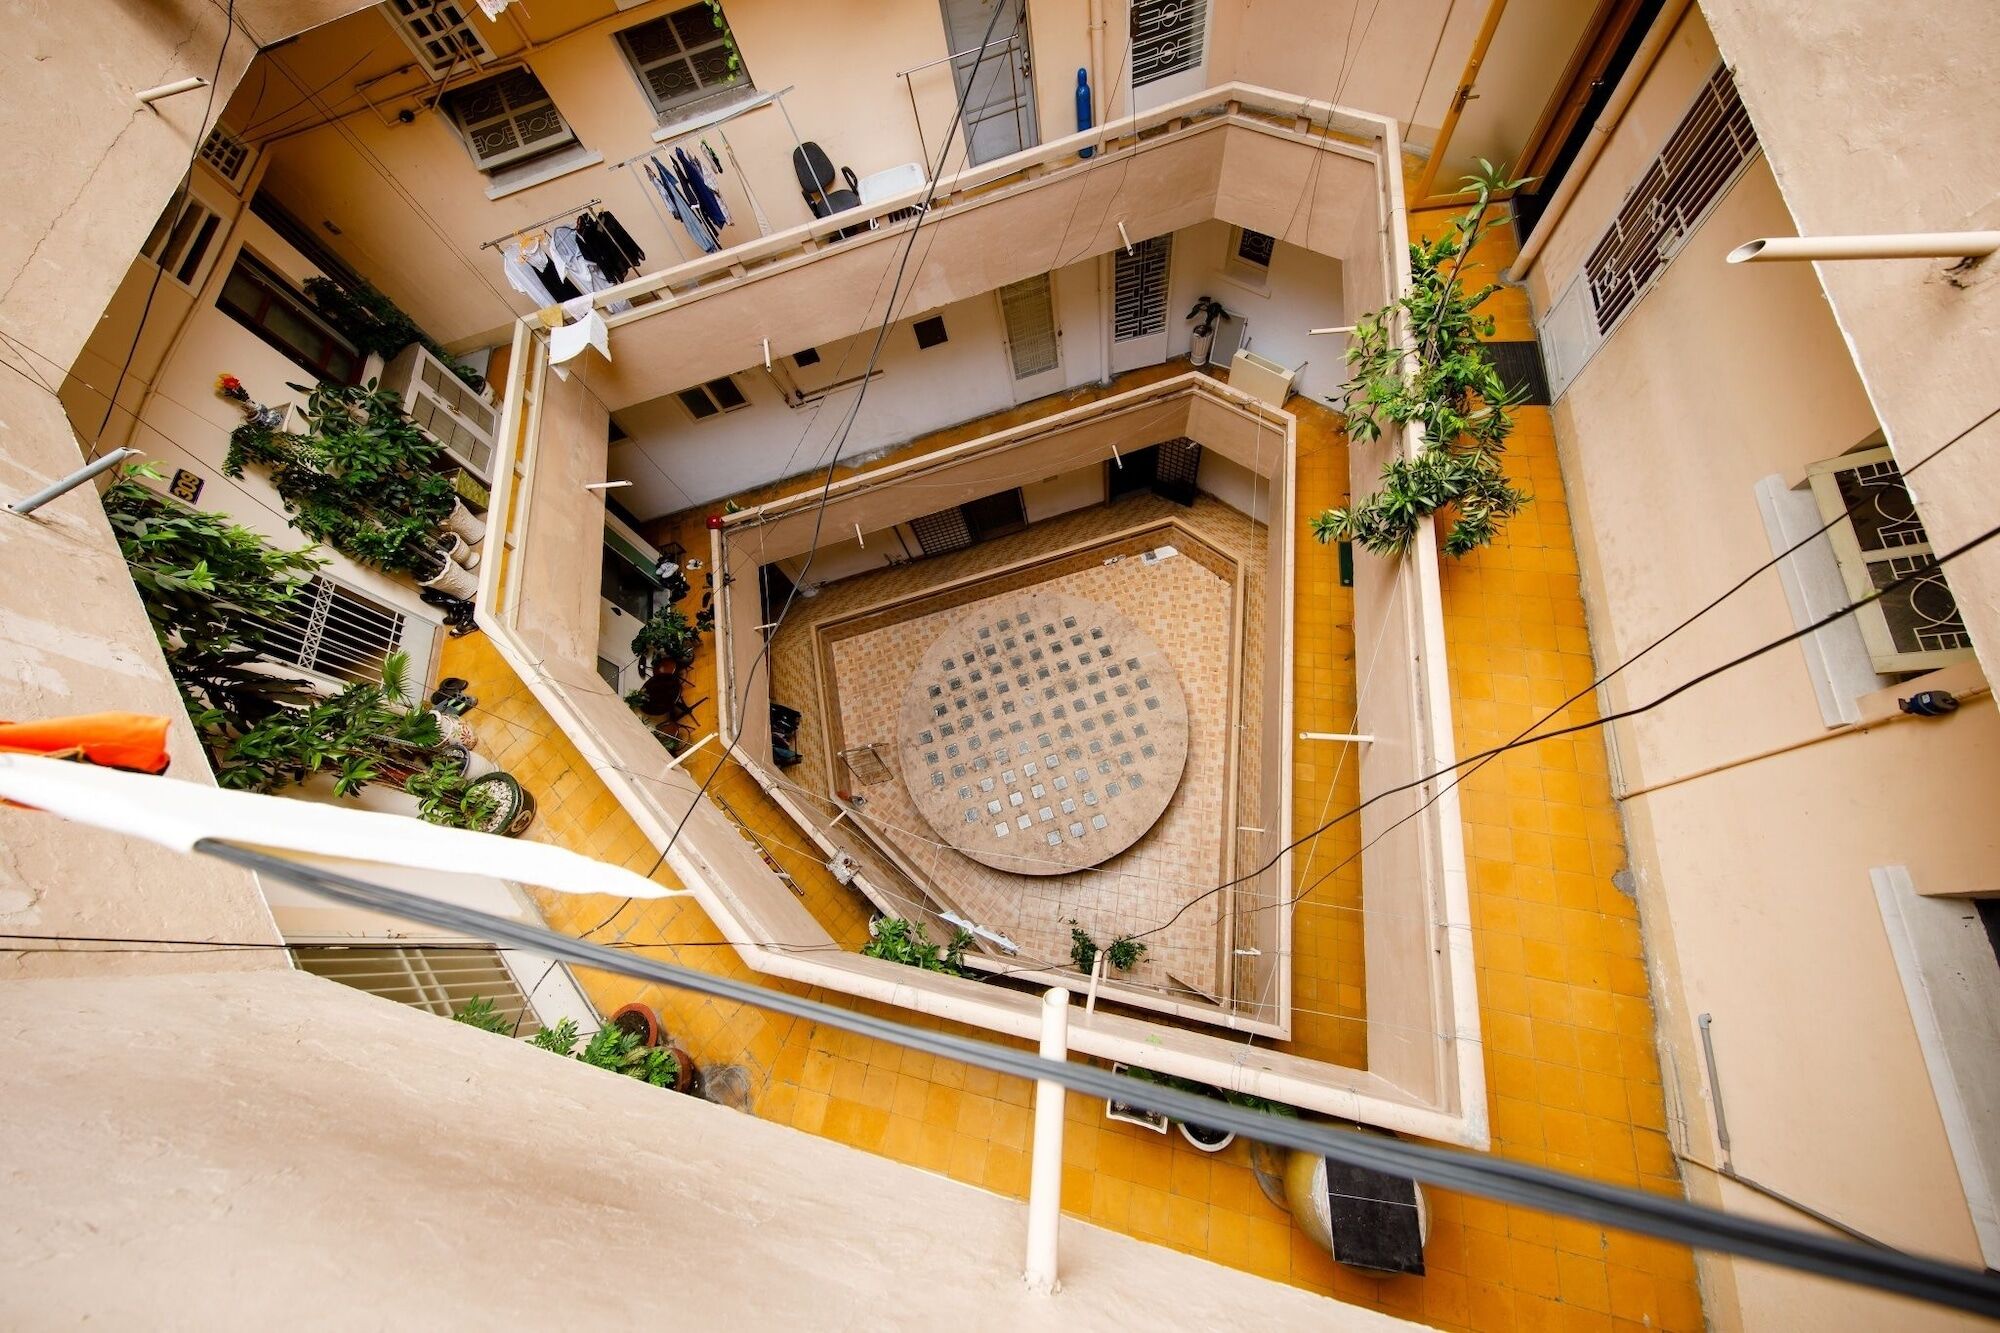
(1916, 115)
(340, 1157)
(419, 237)
(1753, 879)
(88, 176)
(1301, 292)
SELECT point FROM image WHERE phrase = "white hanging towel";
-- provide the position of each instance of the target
(568, 342)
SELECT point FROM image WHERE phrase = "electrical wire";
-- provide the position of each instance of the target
(1520, 1183)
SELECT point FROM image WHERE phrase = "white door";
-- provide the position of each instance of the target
(1000, 106)
(1139, 304)
(1034, 343)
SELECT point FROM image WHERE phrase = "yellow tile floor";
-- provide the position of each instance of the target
(1573, 1078)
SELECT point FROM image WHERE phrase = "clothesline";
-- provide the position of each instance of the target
(556, 216)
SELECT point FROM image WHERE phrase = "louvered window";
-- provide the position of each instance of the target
(1139, 281)
(685, 57)
(225, 152)
(1166, 38)
(1878, 539)
(1704, 155)
(438, 979)
(333, 631)
(180, 240)
(1031, 326)
(440, 31)
(507, 118)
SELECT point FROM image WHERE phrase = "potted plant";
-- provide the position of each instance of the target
(458, 550)
(1207, 312)
(641, 1019)
(465, 523)
(447, 576)
(669, 636)
(513, 806)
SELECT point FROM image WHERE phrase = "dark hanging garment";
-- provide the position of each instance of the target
(559, 287)
(615, 232)
(599, 250)
(714, 162)
(698, 190)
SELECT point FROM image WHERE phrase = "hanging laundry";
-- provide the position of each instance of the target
(536, 254)
(606, 244)
(714, 162)
(567, 254)
(682, 206)
(695, 176)
(522, 277)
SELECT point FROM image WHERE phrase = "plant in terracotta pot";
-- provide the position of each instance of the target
(669, 636)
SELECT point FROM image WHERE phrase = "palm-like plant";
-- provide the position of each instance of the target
(1441, 380)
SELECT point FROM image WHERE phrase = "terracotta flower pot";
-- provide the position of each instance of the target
(641, 1019)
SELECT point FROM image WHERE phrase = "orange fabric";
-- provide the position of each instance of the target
(135, 741)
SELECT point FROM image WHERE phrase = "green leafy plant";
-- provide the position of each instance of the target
(445, 795)
(1082, 948)
(480, 1013)
(374, 323)
(899, 941)
(211, 588)
(621, 1053)
(1124, 953)
(363, 734)
(361, 478)
(735, 60)
(667, 635)
(558, 1040)
(1442, 381)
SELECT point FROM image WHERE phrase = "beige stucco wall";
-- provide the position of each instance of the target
(1754, 879)
(88, 175)
(312, 1156)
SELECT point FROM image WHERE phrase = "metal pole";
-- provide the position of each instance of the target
(1045, 1168)
(71, 482)
(1714, 1090)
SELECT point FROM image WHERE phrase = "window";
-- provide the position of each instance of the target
(225, 152)
(331, 630)
(1166, 38)
(1139, 289)
(1702, 158)
(265, 304)
(440, 979)
(1877, 539)
(930, 332)
(1253, 248)
(180, 239)
(712, 398)
(507, 119)
(685, 57)
(1029, 312)
(808, 357)
(440, 32)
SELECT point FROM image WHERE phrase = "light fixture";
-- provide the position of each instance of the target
(1893, 245)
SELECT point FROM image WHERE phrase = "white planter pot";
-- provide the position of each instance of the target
(1218, 1146)
(460, 550)
(453, 580)
(1198, 346)
(465, 523)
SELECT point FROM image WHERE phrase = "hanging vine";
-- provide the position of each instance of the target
(1453, 392)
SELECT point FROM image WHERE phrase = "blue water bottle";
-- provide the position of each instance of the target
(1083, 117)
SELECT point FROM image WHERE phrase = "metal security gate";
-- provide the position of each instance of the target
(1139, 303)
(333, 631)
(439, 979)
(1034, 347)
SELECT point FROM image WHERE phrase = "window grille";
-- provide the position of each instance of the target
(507, 118)
(439, 31)
(1702, 158)
(437, 980)
(1139, 286)
(1877, 539)
(225, 152)
(333, 631)
(1166, 38)
(684, 57)
(1254, 247)
(180, 240)
(943, 531)
(1030, 316)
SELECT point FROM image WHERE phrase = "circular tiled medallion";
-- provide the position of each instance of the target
(1043, 733)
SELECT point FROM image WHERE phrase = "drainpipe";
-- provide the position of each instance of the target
(1907, 245)
(1600, 135)
(1099, 92)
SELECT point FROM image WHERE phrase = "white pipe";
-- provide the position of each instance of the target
(1096, 975)
(1343, 328)
(1891, 245)
(1099, 94)
(1125, 238)
(688, 753)
(1600, 135)
(28, 504)
(1335, 736)
(187, 85)
(1045, 1167)
(767, 353)
(605, 485)
(858, 539)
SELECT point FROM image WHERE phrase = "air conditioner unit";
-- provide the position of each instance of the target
(1262, 378)
(445, 408)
